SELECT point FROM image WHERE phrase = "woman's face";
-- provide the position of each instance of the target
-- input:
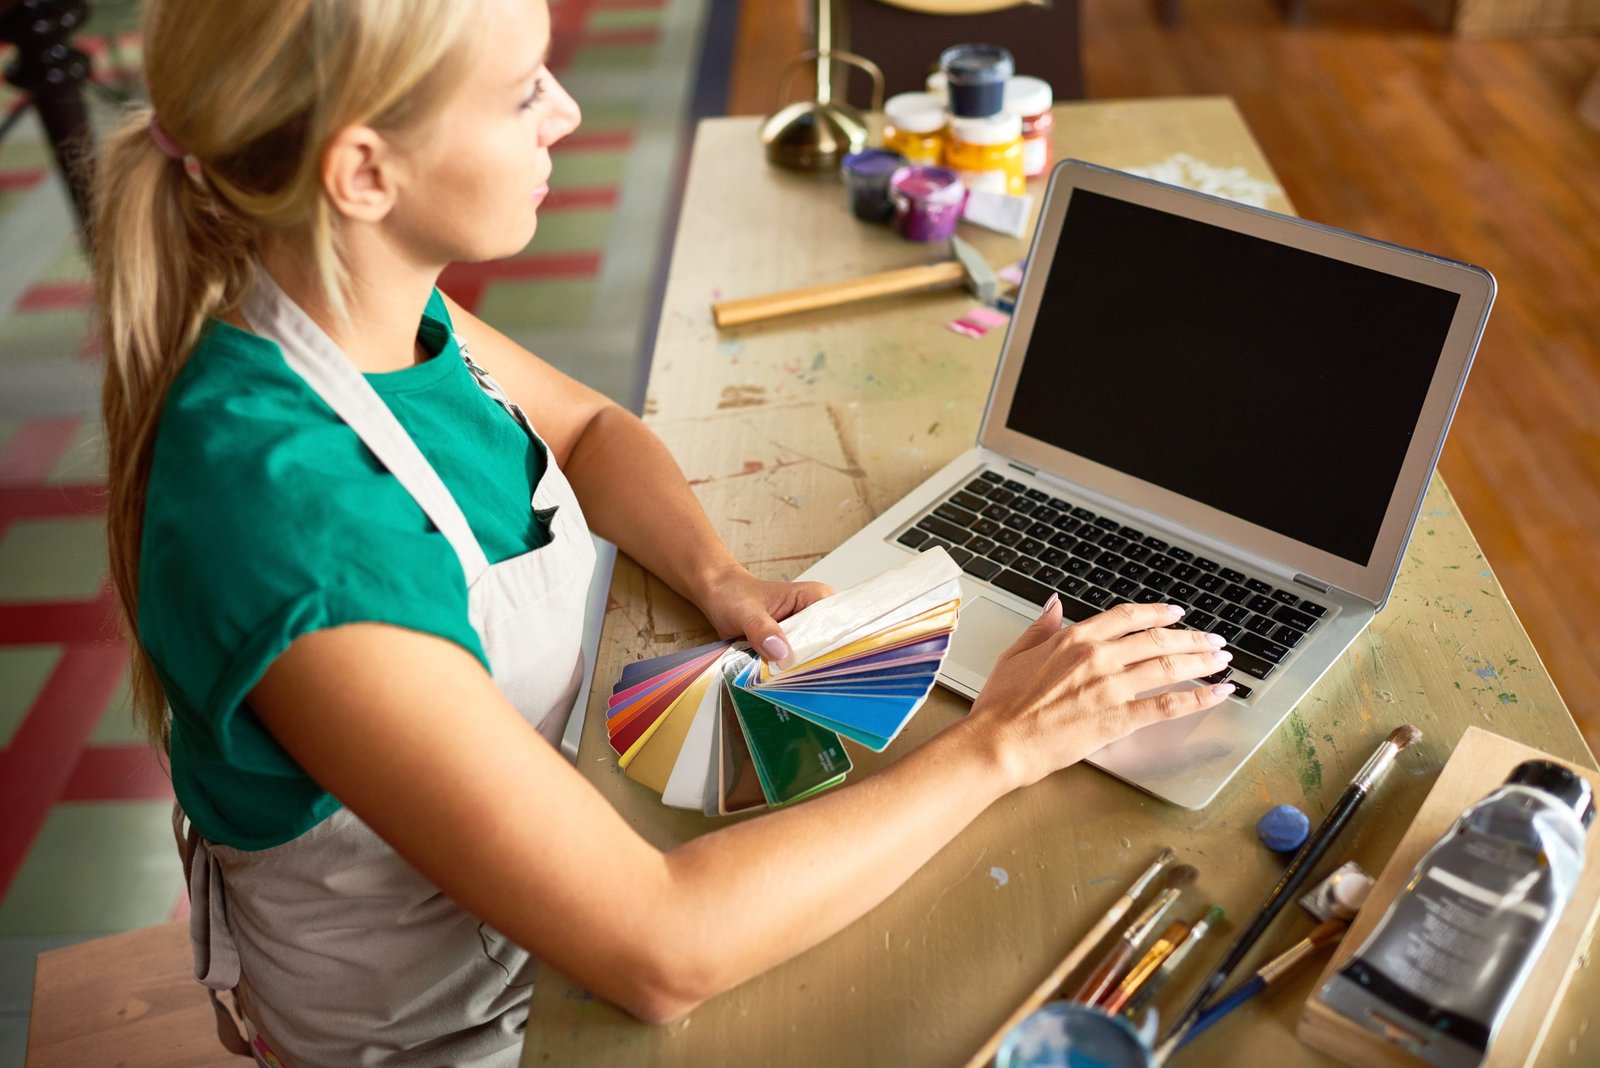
(473, 179)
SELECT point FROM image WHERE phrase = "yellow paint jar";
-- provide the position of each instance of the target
(988, 153)
(915, 127)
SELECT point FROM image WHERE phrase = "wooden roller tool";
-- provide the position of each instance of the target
(965, 267)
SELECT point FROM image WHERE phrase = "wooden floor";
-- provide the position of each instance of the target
(1378, 123)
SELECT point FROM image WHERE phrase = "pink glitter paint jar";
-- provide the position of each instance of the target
(927, 202)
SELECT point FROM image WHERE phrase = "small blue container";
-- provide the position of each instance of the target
(975, 77)
(1066, 1035)
(866, 180)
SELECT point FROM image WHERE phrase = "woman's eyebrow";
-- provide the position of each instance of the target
(544, 57)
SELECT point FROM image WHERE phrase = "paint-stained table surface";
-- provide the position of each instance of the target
(797, 432)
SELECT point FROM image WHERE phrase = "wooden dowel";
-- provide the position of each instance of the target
(831, 294)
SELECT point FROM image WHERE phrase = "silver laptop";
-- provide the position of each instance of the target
(1199, 402)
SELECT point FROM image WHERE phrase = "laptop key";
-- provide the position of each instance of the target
(1115, 542)
(1046, 514)
(1286, 635)
(1200, 620)
(1235, 613)
(992, 476)
(1084, 514)
(1097, 597)
(1187, 572)
(1285, 597)
(913, 537)
(1220, 676)
(1184, 592)
(1007, 536)
(1038, 495)
(1155, 543)
(1229, 631)
(1259, 603)
(1027, 565)
(1100, 577)
(1137, 552)
(1051, 575)
(1018, 521)
(1203, 564)
(1262, 647)
(1040, 530)
(1123, 587)
(1312, 608)
(1211, 583)
(1023, 586)
(981, 546)
(1002, 496)
(978, 487)
(1091, 534)
(1060, 505)
(1109, 559)
(1002, 555)
(1261, 624)
(955, 514)
(997, 512)
(1258, 585)
(1146, 596)
(1053, 557)
(1250, 664)
(945, 529)
(1235, 592)
(978, 567)
(1067, 525)
(1063, 541)
(1030, 546)
(1023, 506)
(1231, 575)
(1299, 620)
(1085, 550)
(1157, 581)
(1241, 691)
(1105, 522)
(970, 501)
(1208, 602)
(1179, 553)
(1132, 533)
(960, 555)
(1072, 587)
(1077, 565)
(1014, 486)
(1133, 571)
(935, 543)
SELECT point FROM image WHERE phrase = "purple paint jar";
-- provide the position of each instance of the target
(975, 77)
(927, 202)
(866, 181)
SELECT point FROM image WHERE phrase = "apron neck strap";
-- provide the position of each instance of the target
(312, 354)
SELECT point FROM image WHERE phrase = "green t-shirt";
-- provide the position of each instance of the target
(267, 519)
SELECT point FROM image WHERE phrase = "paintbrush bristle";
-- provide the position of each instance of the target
(1327, 931)
(1404, 737)
(1168, 855)
(1182, 875)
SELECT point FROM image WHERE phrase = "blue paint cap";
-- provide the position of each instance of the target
(1283, 829)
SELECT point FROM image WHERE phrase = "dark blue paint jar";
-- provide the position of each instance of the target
(975, 78)
(866, 181)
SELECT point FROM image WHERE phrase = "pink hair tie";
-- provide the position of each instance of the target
(164, 141)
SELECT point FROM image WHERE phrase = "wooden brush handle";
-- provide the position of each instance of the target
(1053, 981)
(831, 294)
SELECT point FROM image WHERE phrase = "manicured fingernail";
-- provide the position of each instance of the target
(1055, 599)
(1221, 658)
(775, 648)
(1222, 689)
(1175, 610)
(1216, 641)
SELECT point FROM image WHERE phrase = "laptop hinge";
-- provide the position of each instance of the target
(1307, 580)
(1025, 470)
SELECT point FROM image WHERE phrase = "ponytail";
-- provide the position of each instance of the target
(167, 254)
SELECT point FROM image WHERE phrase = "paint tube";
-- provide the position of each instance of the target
(1439, 972)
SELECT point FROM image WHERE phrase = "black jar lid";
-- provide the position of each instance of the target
(1559, 782)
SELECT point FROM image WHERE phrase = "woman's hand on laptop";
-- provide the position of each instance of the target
(1058, 694)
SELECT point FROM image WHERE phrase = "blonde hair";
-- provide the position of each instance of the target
(253, 91)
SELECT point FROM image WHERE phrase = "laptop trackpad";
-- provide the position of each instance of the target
(986, 630)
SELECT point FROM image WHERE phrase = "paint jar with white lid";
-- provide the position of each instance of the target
(1032, 99)
(915, 127)
(987, 153)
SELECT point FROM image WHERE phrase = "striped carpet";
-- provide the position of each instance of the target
(85, 848)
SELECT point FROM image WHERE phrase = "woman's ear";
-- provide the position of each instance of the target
(358, 174)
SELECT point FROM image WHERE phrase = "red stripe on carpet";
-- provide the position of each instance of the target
(118, 773)
(628, 5)
(642, 35)
(36, 448)
(595, 141)
(49, 296)
(465, 282)
(51, 502)
(60, 622)
(17, 181)
(39, 761)
(589, 196)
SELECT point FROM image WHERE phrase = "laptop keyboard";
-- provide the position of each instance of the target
(1022, 540)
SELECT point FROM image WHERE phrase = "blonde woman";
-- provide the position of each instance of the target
(355, 636)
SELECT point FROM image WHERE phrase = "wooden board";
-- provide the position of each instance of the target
(1480, 763)
(130, 999)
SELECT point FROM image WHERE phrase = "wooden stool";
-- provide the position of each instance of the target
(129, 999)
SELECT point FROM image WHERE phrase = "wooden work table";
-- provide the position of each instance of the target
(797, 432)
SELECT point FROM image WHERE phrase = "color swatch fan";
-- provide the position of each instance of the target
(717, 729)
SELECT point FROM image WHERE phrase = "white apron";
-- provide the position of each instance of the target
(341, 952)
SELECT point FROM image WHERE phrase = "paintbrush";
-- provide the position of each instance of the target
(1152, 986)
(1103, 974)
(1141, 973)
(1297, 872)
(1052, 982)
(1285, 964)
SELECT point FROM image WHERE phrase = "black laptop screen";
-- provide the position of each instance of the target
(1272, 383)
